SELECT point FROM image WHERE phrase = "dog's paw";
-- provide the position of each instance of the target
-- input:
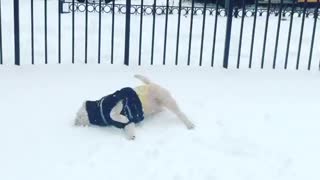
(131, 137)
(190, 126)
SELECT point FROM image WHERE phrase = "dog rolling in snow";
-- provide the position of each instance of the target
(129, 106)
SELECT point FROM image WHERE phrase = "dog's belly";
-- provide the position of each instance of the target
(152, 108)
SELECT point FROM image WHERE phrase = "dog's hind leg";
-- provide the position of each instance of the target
(166, 100)
(171, 105)
(143, 79)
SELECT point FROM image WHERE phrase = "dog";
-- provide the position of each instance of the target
(129, 106)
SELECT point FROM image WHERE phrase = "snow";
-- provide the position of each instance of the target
(250, 124)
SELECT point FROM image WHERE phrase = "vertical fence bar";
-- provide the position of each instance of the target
(140, 35)
(1, 56)
(165, 33)
(99, 34)
(45, 32)
(32, 33)
(289, 34)
(61, 2)
(86, 36)
(190, 32)
(253, 31)
(112, 33)
(228, 35)
(141, 26)
(215, 33)
(153, 28)
(127, 36)
(277, 38)
(241, 32)
(59, 30)
(301, 33)
(265, 34)
(313, 34)
(203, 29)
(16, 32)
(73, 9)
(178, 32)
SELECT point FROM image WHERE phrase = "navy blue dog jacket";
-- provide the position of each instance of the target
(99, 111)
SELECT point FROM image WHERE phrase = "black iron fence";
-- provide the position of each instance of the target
(282, 11)
(68, 7)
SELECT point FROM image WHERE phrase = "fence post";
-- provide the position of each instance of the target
(228, 34)
(1, 52)
(61, 6)
(127, 34)
(16, 32)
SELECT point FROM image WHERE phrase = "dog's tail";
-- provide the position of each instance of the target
(142, 78)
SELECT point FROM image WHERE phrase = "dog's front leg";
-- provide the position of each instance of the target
(130, 131)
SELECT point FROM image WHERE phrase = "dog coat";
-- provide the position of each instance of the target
(99, 111)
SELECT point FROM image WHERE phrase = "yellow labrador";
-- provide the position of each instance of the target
(129, 106)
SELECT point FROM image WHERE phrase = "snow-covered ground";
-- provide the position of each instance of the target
(249, 125)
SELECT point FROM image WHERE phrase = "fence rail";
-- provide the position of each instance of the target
(186, 10)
